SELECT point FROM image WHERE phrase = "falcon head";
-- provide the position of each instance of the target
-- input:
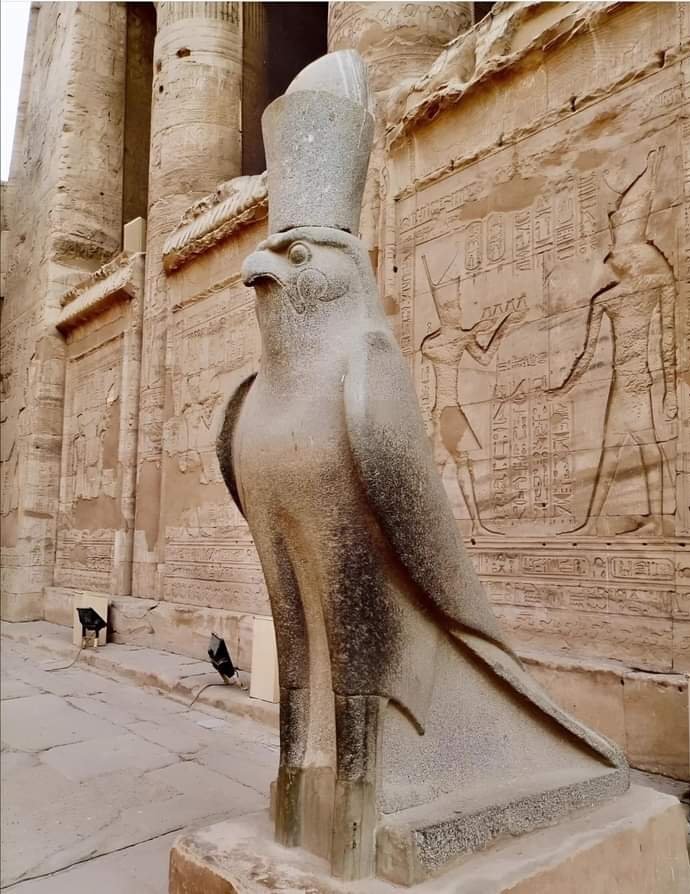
(306, 270)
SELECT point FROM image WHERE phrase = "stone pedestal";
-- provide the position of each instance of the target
(634, 844)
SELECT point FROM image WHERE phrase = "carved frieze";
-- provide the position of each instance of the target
(210, 558)
(101, 321)
(118, 279)
(542, 306)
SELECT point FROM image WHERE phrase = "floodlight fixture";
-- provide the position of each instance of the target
(221, 660)
(91, 625)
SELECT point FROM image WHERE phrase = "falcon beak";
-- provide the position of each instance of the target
(260, 265)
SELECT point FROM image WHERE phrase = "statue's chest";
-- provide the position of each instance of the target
(291, 439)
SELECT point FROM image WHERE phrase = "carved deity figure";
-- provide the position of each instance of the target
(200, 398)
(403, 708)
(453, 437)
(644, 284)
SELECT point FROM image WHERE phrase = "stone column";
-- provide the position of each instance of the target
(399, 42)
(195, 144)
(66, 220)
(396, 40)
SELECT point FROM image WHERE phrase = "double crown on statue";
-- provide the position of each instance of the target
(318, 137)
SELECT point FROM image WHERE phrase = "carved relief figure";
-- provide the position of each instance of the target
(202, 397)
(452, 434)
(92, 406)
(644, 283)
(78, 470)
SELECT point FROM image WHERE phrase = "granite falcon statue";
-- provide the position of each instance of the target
(398, 687)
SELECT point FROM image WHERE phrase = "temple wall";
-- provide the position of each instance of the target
(538, 246)
(65, 220)
(506, 193)
(195, 143)
(542, 303)
(527, 215)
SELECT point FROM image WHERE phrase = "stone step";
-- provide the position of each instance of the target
(176, 676)
(598, 850)
(608, 696)
(167, 626)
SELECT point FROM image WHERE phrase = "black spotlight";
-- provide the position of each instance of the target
(221, 660)
(91, 625)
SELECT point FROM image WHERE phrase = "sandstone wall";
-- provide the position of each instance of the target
(527, 213)
(541, 273)
(536, 262)
(65, 219)
(528, 225)
(195, 143)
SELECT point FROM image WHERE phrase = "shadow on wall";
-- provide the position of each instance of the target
(279, 40)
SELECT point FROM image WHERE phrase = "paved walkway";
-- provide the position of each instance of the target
(99, 776)
(101, 772)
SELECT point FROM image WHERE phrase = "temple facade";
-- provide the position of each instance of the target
(527, 213)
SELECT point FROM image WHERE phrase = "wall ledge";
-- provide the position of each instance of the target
(235, 204)
(121, 278)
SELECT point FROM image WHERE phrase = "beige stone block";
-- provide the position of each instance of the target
(681, 645)
(21, 606)
(244, 649)
(264, 683)
(637, 641)
(634, 844)
(593, 695)
(134, 235)
(100, 605)
(656, 723)
(184, 629)
(645, 714)
(58, 605)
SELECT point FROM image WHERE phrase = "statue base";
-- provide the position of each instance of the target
(635, 843)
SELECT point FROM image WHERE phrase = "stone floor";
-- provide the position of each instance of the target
(101, 771)
(99, 776)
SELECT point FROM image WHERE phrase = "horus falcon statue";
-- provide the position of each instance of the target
(398, 688)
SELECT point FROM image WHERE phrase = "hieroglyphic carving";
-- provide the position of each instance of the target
(531, 444)
(215, 567)
(603, 603)
(19, 373)
(531, 439)
(86, 534)
(100, 322)
(213, 338)
(453, 437)
(683, 496)
(209, 555)
(589, 230)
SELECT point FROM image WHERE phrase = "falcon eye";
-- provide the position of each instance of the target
(298, 253)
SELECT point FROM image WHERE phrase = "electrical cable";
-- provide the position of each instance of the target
(49, 670)
(234, 681)
(205, 686)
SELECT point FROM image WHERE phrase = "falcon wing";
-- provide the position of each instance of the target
(224, 440)
(393, 457)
